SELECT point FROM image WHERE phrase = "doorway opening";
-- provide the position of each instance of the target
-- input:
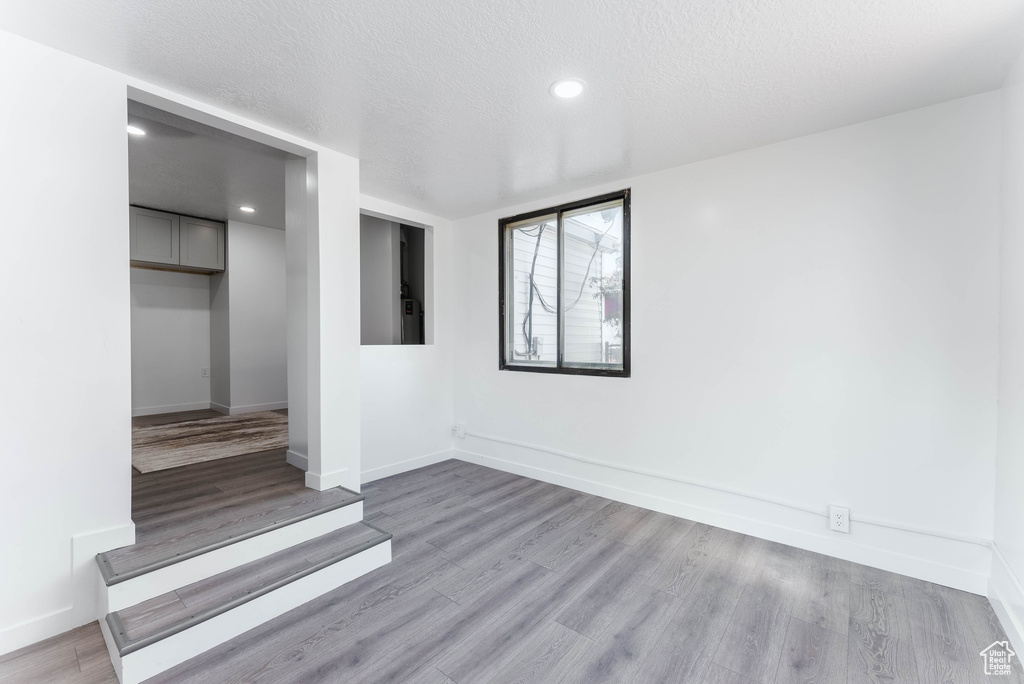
(214, 296)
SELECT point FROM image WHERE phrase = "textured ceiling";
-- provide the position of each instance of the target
(187, 168)
(446, 102)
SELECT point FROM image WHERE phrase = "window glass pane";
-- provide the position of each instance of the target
(592, 286)
(532, 292)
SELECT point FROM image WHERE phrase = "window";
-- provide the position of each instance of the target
(564, 288)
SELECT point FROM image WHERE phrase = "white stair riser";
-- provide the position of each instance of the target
(203, 566)
(174, 650)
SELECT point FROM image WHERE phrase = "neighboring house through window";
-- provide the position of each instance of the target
(564, 288)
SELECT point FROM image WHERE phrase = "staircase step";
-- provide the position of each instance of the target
(231, 536)
(156, 634)
(226, 524)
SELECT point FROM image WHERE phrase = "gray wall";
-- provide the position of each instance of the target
(249, 346)
(170, 341)
(380, 312)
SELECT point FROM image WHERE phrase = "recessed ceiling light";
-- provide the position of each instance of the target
(135, 130)
(566, 88)
(247, 210)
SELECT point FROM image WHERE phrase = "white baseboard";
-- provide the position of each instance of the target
(85, 591)
(253, 408)
(256, 408)
(174, 408)
(300, 461)
(337, 478)
(952, 562)
(36, 629)
(403, 466)
(1006, 593)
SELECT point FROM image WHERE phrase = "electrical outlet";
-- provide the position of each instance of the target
(839, 519)
(204, 372)
(460, 431)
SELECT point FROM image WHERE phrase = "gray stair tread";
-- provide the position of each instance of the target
(165, 612)
(233, 518)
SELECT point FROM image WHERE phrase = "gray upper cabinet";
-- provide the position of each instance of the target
(154, 236)
(180, 243)
(202, 243)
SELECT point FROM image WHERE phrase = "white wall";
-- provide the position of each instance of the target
(258, 327)
(333, 343)
(170, 315)
(407, 390)
(379, 286)
(220, 341)
(65, 485)
(1008, 565)
(813, 322)
(65, 473)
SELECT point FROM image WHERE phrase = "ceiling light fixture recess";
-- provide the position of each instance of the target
(247, 210)
(567, 88)
(135, 130)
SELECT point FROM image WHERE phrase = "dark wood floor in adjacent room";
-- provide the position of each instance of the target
(499, 578)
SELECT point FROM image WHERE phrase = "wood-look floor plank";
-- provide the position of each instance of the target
(526, 544)
(495, 522)
(738, 548)
(490, 649)
(630, 525)
(881, 646)
(717, 674)
(547, 656)
(500, 606)
(414, 520)
(220, 470)
(700, 623)
(874, 578)
(559, 550)
(368, 645)
(469, 585)
(442, 492)
(91, 649)
(595, 609)
(513, 524)
(823, 594)
(153, 615)
(508, 493)
(944, 644)
(50, 660)
(380, 499)
(618, 654)
(986, 629)
(429, 675)
(223, 508)
(753, 641)
(812, 655)
(680, 570)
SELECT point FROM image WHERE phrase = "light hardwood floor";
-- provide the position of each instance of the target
(499, 578)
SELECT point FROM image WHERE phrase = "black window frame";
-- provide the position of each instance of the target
(559, 368)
